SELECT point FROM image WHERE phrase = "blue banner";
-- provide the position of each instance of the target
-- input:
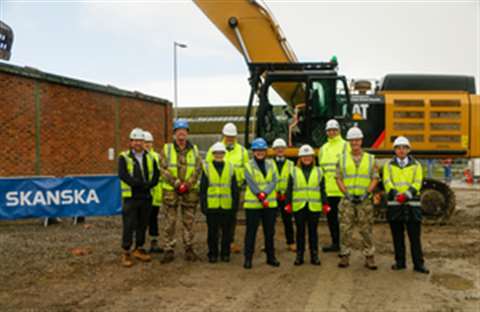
(60, 197)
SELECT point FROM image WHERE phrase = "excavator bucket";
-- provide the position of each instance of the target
(6, 41)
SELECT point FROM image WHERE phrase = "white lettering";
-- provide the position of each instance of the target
(67, 198)
(78, 196)
(361, 109)
(12, 199)
(53, 198)
(92, 196)
(24, 198)
(39, 199)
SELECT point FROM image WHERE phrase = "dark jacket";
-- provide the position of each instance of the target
(306, 172)
(140, 186)
(204, 184)
(405, 212)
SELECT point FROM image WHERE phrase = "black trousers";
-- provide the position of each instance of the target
(414, 232)
(332, 219)
(253, 217)
(153, 221)
(219, 223)
(287, 220)
(233, 225)
(306, 218)
(135, 217)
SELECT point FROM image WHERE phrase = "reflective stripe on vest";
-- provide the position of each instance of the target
(357, 178)
(328, 159)
(157, 191)
(284, 175)
(251, 200)
(172, 163)
(219, 193)
(126, 189)
(401, 179)
(304, 191)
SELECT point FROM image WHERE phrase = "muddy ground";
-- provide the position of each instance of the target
(38, 272)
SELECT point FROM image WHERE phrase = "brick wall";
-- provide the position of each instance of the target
(50, 128)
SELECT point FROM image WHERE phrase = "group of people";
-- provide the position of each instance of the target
(338, 182)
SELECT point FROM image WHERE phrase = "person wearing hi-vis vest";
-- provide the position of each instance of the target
(260, 202)
(327, 160)
(180, 166)
(238, 156)
(357, 177)
(307, 199)
(156, 198)
(219, 193)
(402, 180)
(283, 168)
(138, 175)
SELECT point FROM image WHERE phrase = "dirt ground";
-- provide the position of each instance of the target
(38, 272)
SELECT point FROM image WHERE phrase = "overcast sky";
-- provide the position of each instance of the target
(129, 44)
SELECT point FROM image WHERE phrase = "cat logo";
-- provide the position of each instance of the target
(359, 111)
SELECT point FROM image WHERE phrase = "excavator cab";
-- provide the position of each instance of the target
(296, 100)
(6, 41)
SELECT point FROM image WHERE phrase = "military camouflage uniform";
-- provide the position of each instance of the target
(188, 202)
(360, 214)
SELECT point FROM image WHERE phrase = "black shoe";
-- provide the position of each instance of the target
(273, 262)
(331, 248)
(212, 259)
(225, 258)
(298, 260)
(421, 269)
(247, 264)
(314, 259)
(398, 267)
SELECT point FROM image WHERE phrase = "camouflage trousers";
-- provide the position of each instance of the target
(188, 207)
(356, 214)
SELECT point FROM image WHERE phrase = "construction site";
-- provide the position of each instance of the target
(64, 200)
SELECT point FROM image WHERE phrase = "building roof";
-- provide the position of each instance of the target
(33, 73)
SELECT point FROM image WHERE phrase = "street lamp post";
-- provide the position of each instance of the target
(175, 75)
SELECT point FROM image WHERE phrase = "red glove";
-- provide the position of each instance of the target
(261, 196)
(326, 209)
(182, 188)
(288, 208)
(281, 197)
(265, 203)
(401, 198)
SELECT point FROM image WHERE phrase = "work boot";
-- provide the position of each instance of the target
(344, 262)
(421, 269)
(370, 263)
(127, 260)
(141, 255)
(212, 259)
(154, 248)
(292, 247)
(234, 248)
(225, 258)
(190, 255)
(331, 248)
(247, 264)
(298, 259)
(398, 267)
(168, 257)
(314, 259)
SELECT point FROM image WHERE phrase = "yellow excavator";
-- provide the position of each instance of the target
(440, 114)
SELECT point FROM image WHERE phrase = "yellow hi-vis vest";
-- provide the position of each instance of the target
(401, 179)
(307, 191)
(328, 157)
(157, 192)
(219, 192)
(171, 158)
(126, 189)
(251, 200)
(238, 157)
(283, 175)
(357, 179)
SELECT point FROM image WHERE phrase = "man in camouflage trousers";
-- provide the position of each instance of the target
(181, 166)
(357, 177)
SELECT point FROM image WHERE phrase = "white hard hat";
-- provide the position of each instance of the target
(137, 134)
(229, 129)
(401, 140)
(332, 124)
(148, 136)
(218, 147)
(354, 133)
(306, 150)
(279, 143)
